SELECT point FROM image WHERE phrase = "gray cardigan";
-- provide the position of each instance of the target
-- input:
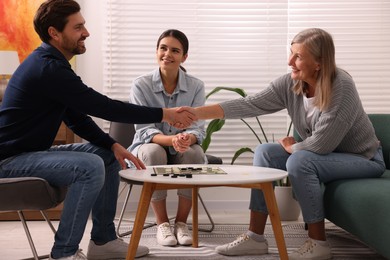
(344, 127)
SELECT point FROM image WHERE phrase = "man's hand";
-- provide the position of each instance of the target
(287, 142)
(180, 120)
(181, 142)
(122, 153)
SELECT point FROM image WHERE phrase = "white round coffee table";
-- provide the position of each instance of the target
(159, 177)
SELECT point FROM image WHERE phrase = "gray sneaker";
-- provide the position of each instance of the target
(243, 245)
(311, 250)
(77, 256)
(115, 249)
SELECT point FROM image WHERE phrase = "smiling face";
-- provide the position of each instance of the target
(71, 40)
(303, 65)
(170, 54)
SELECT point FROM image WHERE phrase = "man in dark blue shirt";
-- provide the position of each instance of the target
(43, 92)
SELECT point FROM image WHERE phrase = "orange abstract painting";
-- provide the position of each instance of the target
(16, 26)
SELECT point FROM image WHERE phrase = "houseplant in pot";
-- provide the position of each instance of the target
(288, 207)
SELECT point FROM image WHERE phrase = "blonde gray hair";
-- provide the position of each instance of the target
(320, 45)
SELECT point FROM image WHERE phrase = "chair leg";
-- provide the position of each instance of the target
(208, 215)
(119, 234)
(28, 234)
(44, 215)
(30, 241)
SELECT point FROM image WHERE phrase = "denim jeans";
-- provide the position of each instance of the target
(91, 175)
(307, 172)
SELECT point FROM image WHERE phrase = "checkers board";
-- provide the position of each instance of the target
(187, 170)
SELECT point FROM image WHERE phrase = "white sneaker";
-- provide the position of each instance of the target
(165, 236)
(311, 250)
(115, 249)
(243, 245)
(182, 234)
(78, 256)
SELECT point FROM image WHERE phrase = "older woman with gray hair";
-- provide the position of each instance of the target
(338, 140)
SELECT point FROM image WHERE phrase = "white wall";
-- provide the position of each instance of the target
(89, 67)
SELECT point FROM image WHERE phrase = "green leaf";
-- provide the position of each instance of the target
(262, 131)
(214, 126)
(253, 131)
(239, 91)
(239, 152)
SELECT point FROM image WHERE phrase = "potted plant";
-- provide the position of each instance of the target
(216, 124)
(288, 207)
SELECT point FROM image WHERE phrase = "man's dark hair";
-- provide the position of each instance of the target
(53, 13)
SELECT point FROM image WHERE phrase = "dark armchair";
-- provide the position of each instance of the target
(30, 193)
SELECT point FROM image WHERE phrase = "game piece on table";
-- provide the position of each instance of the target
(208, 170)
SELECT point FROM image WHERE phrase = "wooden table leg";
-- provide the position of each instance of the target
(195, 223)
(142, 212)
(273, 212)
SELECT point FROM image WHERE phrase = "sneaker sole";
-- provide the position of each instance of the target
(317, 258)
(246, 252)
(110, 257)
(168, 244)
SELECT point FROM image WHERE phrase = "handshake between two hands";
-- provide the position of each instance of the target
(180, 117)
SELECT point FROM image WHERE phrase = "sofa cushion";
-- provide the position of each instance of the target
(361, 207)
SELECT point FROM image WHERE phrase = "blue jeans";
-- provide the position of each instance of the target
(307, 172)
(91, 175)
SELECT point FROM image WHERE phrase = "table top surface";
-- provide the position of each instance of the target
(234, 174)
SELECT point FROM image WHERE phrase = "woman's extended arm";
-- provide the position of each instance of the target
(214, 111)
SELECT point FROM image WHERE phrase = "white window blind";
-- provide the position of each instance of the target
(361, 31)
(244, 44)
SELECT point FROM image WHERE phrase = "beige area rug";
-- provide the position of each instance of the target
(344, 245)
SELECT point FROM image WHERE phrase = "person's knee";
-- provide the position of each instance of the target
(297, 164)
(153, 154)
(159, 195)
(91, 168)
(194, 155)
(185, 193)
(263, 148)
(264, 152)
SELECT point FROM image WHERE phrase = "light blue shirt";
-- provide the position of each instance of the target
(148, 90)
